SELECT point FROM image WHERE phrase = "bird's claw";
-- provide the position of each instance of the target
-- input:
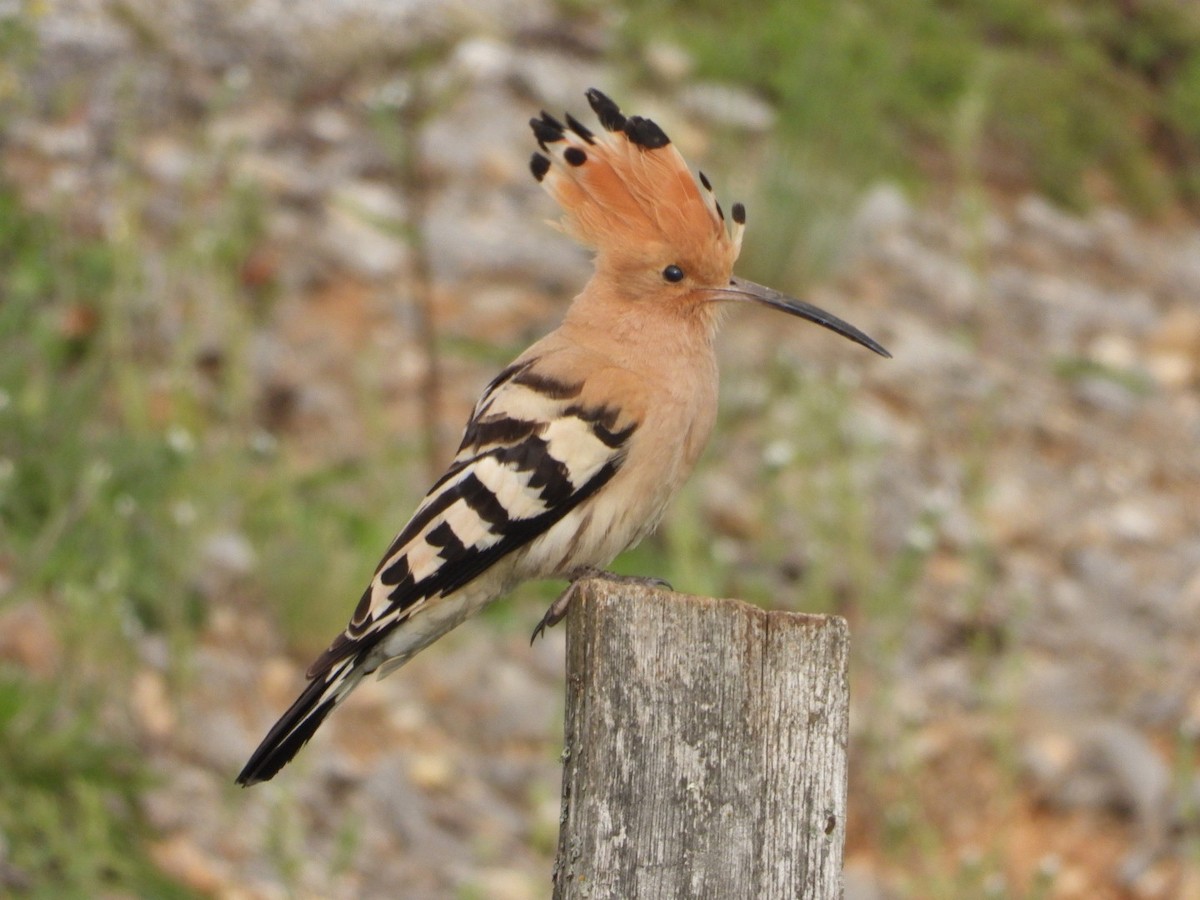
(556, 613)
(558, 609)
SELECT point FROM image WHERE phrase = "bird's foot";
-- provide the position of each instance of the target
(584, 572)
(558, 609)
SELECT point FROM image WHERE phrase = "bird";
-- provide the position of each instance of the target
(574, 451)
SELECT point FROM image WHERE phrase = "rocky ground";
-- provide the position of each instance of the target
(1028, 721)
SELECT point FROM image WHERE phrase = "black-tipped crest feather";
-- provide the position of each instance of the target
(580, 129)
(606, 110)
(545, 132)
(645, 133)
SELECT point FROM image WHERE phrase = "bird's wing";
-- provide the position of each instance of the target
(537, 446)
(533, 450)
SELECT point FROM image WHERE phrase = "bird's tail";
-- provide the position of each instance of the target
(301, 721)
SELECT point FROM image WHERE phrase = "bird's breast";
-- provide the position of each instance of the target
(673, 430)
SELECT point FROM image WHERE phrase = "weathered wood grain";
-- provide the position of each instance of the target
(705, 752)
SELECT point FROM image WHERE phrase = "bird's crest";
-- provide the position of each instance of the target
(627, 192)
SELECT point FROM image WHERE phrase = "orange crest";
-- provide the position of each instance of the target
(628, 194)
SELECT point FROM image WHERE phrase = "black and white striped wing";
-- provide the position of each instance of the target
(530, 454)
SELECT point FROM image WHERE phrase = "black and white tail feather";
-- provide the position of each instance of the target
(531, 453)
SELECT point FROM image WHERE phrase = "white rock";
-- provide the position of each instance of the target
(330, 125)
(1047, 222)
(166, 160)
(472, 233)
(1113, 350)
(728, 106)
(229, 552)
(483, 59)
(559, 80)
(68, 140)
(250, 126)
(884, 209)
(372, 200)
(361, 245)
(1135, 522)
(668, 60)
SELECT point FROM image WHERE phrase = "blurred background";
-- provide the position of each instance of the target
(257, 259)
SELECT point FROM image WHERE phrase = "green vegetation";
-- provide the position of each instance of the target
(118, 462)
(122, 455)
(68, 799)
(1074, 95)
(87, 533)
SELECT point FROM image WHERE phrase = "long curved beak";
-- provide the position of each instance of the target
(741, 289)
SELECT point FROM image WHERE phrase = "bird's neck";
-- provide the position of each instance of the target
(641, 331)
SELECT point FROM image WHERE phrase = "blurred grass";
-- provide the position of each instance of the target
(115, 466)
(128, 443)
(68, 800)
(87, 532)
(120, 461)
(1078, 98)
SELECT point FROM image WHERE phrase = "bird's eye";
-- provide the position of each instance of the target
(673, 274)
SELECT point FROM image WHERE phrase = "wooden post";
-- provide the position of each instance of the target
(705, 750)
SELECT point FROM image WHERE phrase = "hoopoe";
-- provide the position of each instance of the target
(574, 451)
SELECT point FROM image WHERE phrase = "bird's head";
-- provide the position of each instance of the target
(659, 235)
